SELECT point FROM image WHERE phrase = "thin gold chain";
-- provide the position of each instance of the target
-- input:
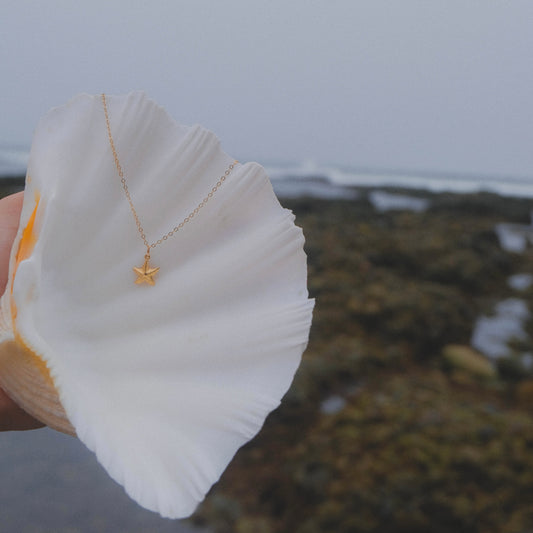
(188, 218)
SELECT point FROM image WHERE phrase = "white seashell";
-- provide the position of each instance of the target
(164, 383)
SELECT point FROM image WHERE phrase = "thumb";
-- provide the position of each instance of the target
(10, 208)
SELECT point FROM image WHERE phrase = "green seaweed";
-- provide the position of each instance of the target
(427, 440)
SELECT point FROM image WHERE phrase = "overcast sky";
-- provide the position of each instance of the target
(439, 85)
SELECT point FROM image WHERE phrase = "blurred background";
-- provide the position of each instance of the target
(400, 135)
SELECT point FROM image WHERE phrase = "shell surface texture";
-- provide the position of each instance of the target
(163, 383)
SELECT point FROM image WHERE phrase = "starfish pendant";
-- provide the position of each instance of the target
(145, 274)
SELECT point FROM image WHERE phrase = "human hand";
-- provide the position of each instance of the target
(12, 417)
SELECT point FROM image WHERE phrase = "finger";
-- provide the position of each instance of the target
(10, 208)
(12, 417)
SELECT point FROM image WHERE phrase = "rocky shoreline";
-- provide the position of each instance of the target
(394, 423)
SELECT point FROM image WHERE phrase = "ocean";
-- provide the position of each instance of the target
(308, 178)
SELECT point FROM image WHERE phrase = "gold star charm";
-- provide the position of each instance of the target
(145, 274)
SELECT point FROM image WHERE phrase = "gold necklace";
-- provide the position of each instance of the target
(146, 273)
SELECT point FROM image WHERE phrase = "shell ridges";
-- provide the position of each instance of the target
(164, 383)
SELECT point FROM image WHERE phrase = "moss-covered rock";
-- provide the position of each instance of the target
(524, 393)
(424, 439)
